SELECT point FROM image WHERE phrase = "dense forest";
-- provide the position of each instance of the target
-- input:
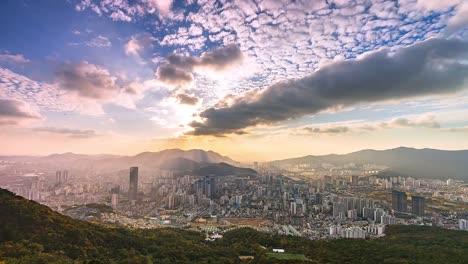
(32, 233)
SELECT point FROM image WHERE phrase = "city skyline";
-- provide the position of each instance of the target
(254, 80)
(229, 131)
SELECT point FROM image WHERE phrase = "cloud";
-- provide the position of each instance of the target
(437, 5)
(164, 6)
(87, 80)
(169, 74)
(424, 121)
(328, 130)
(218, 59)
(457, 129)
(13, 112)
(119, 15)
(10, 58)
(74, 133)
(188, 99)
(138, 43)
(427, 122)
(99, 41)
(430, 67)
(179, 68)
(134, 88)
(460, 19)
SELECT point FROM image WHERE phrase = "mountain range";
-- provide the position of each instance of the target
(170, 158)
(419, 163)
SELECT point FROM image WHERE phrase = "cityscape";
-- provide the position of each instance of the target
(352, 201)
(233, 131)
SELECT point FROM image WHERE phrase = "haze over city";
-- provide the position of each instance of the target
(253, 80)
(233, 131)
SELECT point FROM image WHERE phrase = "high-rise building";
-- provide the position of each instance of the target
(207, 187)
(318, 198)
(462, 224)
(352, 214)
(133, 187)
(65, 176)
(293, 207)
(114, 200)
(399, 201)
(170, 202)
(378, 213)
(388, 220)
(368, 213)
(354, 180)
(417, 203)
(213, 188)
(339, 210)
(58, 177)
(450, 182)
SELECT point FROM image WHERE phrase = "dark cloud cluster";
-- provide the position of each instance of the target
(172, 75)
(178, 69)
(13, 112)
(434, 66)
(87, 80)
(74, 133)
(187, 99)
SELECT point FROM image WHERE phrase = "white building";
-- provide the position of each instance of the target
(353, 232)
(388, 220)
(114, 200)
(378, 230)
(463, 224)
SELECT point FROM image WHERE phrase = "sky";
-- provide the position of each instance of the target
(256, 80)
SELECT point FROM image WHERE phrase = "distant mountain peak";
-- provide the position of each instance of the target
(406, 161)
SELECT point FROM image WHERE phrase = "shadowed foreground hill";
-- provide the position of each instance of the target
(32, 233)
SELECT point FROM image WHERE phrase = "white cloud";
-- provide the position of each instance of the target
(13, 58)
(99, 41)
(138, 43)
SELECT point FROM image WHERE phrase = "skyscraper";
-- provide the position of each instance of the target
(354, 180)
(417, 203)
(399, 201)
(58, 177)
(114, 200)
(133, 187)
(213, 188)
(65, 176)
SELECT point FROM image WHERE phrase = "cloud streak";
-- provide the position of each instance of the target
(430, 67)
(425, 121)
(10, 58)
(73, 133)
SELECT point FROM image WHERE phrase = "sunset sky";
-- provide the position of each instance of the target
(254, 80)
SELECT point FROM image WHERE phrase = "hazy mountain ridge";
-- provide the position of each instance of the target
(421, 163)
(165, 159)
